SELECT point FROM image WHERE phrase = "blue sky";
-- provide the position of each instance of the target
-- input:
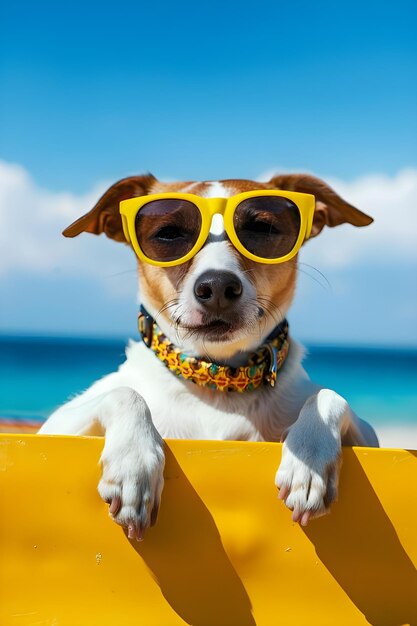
(91, 92)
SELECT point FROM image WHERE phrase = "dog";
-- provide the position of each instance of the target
(216, 285)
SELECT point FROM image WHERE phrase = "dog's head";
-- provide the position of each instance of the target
(219, 303)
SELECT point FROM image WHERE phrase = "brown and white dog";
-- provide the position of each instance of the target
(143, 401)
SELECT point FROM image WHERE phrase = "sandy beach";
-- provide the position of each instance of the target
(397, 436)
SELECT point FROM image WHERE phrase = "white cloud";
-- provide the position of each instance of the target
(31, 222)
(32, 218)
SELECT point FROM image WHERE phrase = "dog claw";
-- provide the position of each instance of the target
(305, 518)
(283, 492)
(115, 505)
(301, 518)
(140, 534)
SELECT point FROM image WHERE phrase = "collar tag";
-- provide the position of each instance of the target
(145, 324)
(271, 376)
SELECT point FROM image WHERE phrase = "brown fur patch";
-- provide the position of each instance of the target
(175, 186)
(162, 285)
(105, 217)
(274, 284)
(241, 186)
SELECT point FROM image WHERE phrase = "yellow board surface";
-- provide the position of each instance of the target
(224, 550)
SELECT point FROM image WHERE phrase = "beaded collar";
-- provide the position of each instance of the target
(261, 368)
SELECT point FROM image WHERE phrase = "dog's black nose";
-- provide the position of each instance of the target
(217, 290)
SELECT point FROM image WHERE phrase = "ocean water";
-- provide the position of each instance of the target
(38, 374)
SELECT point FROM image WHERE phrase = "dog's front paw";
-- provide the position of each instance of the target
(311, 455)
(132, 484)
(133, 463)
(308, 487)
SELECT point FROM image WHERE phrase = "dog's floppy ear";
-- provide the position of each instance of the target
(331, 209)
(104, 217)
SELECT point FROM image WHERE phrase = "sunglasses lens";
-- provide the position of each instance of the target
(267, 226)
(167, 229)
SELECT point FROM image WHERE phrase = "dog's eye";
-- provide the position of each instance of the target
(267, 226)
(169, 233)
(260, 227)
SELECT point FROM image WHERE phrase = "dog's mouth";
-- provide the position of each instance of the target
(216, 329)
(225, 328)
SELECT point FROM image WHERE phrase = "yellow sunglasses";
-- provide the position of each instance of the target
(267, 226)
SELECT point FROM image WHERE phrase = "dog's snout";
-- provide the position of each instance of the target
(218, 290)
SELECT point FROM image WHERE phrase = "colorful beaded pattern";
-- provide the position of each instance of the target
(262, 366)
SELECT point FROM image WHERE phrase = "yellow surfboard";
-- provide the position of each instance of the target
(224, 550)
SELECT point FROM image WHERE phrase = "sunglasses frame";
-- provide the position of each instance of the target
(208, 207)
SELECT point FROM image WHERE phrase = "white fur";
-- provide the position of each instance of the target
(143, 401)
(217, 225)
(216, 190)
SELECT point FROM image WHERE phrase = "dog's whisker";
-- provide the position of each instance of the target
(324, 284)
(250, 272)
(123, 273)
(271, 308)
(168, 305)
